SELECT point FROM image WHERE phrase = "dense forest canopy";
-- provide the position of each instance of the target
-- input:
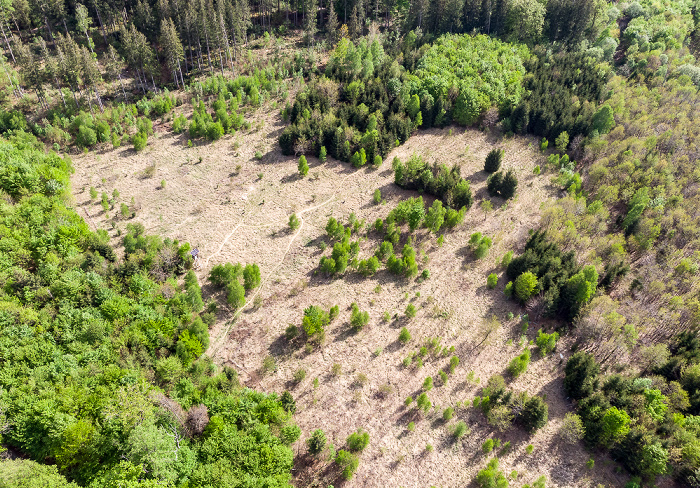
(104, 380)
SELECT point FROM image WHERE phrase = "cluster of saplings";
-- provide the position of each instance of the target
(228, 276)
(649, 422)
(129, 400)
(502, 406)
(410, 211)
(347, 460)
(440, 181)
(359, 110)
(498, 183)
(544, 269)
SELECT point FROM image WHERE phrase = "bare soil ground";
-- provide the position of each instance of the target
(235, 208)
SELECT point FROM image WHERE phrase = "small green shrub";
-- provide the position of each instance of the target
(428, 383)
(448, 413)
(404, 336)
(411, 426)
(459, 430)
(348, 462)
(316, 442)
(410, 311)
(518, 365)
(492, 281)
(487, 446)
(140, 140)
(377, 198)
(358, 441)
(294, 222)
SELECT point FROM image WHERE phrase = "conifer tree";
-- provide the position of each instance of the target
(113, 65)
(172, 48)
(332, 23)
(83, 22)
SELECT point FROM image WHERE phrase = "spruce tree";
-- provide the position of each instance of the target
(509, 185)
(172, 48)
(493, 160)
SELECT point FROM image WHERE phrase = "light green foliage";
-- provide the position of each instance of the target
(486, 71)
(454, 362)
(480, 244)
(448, 413)
(487, 446)
(518, 365)
(404, 336)
(377, 197)
(294, 222)
(435, 216)
(655, 403)
(348, 462)
(615, 424)
(358, 319)
(492, 280)
(315, 321)
(251, 276)
(303, 166)
(525, 286)
(322, 154)
(562, 142)
(143, 335)
(491, 476)
(603, 119)
(410, 310)
(358, 441)
(428, 383)
(546, 342)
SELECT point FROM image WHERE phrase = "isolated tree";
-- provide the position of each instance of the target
(316, 442)
(303, 166)
(493, 160)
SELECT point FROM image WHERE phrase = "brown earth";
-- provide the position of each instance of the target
(235, 208)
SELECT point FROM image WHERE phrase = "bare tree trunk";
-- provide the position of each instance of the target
(2, 27)
(102, 26)
(58, 86)
(99, 100)
(12, 84)
(122, 84)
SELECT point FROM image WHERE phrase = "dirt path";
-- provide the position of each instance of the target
(219, 341)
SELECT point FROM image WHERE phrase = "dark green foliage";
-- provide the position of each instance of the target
(546, 109)
(493, 160)
(553, 270)
(446, 184)
(581, 378)
(503, 185)
(534, 414)
(316, 442)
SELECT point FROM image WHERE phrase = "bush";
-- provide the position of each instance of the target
(459, 430)
(410, 311)
(404, 336)
(322, 154)
(315, 321)
(294, 222)
(572, 429)
(299, 375)
(492, 281)
(86, 136)
(546, 342)
(235, 296)
(428, 383)
(316, 442)
(503, 185)
(448, 413)
(377, 198)
(562, 142)
(251, 276)
(358, 319)
(214, 131)
(140, 140)
(454, 362)
(348, 462)
(487, 446)
(518, 365)
(493, 160)
(358, 441)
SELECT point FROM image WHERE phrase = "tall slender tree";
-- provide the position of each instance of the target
(172, 49)
(113, 66)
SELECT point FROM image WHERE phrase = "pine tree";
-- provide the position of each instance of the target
(493, 161)
(332, 23)
(51, 68)
(172, 48)
(310, 14)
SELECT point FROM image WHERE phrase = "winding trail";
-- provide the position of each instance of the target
(220, 339)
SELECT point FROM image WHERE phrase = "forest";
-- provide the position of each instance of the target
(109, 334)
